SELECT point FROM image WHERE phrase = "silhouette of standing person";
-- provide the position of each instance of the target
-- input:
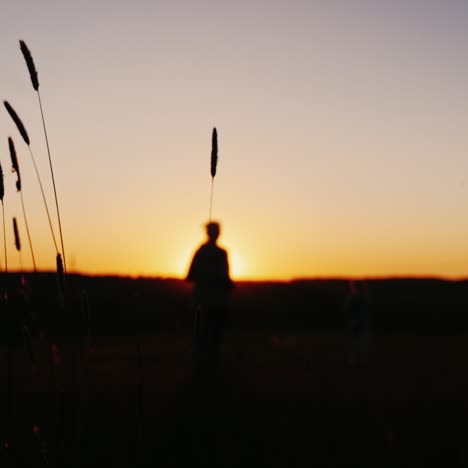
(209, 272)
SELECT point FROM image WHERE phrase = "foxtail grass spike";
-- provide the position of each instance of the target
(14, 163)
(214, 163)
(214, 152)
(2, 193)
(18, 122)
(30, 63)
(2, 186)
(17, 237)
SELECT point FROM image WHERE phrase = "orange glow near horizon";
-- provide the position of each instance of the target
(260, 267)
(341, 132)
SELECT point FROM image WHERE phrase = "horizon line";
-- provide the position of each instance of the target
(255, 279)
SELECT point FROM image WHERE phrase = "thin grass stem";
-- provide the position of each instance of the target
(27, 231)
(44, 198)
(53, 182)
(4, 238)
(211, 197)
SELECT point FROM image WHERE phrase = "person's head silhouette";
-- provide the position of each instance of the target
(212, 230)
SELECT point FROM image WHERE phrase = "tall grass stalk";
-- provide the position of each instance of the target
(214, 163)
(44, 199)
(24, 134)
(2, 194)
(28, 234)
(53, 183)
(9, 370)
(4, 238)
(211, 198)
(35, 82)
(15, 168)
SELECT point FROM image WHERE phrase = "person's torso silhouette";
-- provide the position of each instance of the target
(209, 272)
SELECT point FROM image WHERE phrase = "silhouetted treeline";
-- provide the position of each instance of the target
(120, 305)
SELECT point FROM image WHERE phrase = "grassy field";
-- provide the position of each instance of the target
(282, 398)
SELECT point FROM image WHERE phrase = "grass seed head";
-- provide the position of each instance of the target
(18, 122)
(2, 186)
(214, 152)
(17, 237)
(14, 162)
(30, 63)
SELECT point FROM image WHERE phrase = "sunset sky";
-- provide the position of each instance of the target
(342, 125)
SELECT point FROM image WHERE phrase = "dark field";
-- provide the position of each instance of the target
(119, 392)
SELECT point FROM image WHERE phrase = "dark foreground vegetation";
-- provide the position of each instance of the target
(111, 384)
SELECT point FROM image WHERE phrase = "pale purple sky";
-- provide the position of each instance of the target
(342, 133)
